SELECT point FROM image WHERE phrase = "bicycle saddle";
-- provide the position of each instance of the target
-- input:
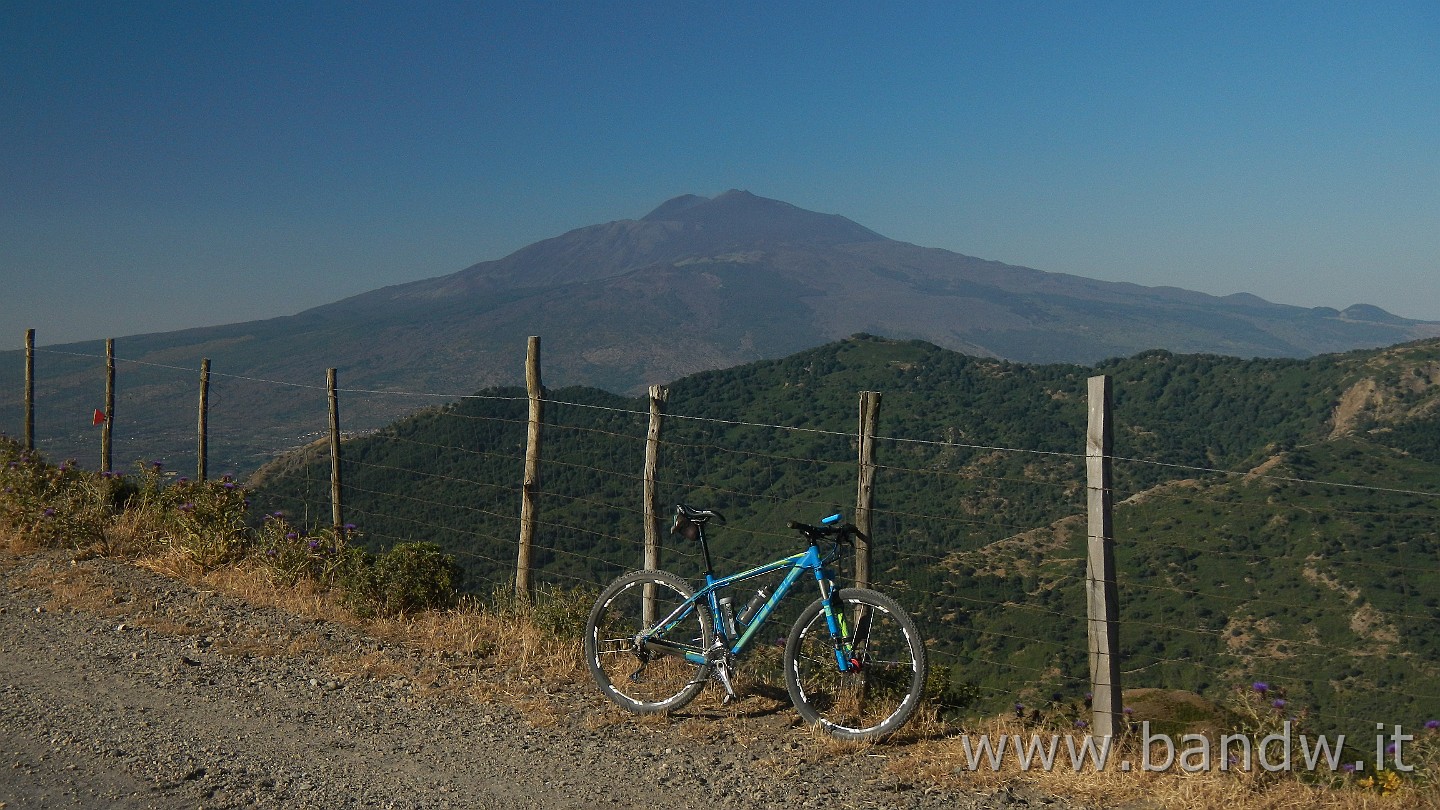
(687, 520)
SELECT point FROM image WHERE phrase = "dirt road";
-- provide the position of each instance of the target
(123, 688)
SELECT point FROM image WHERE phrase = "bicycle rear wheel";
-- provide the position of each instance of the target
(644, 680)
(886, 678)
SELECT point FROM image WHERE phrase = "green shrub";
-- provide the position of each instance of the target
(409, 577)
(62, 506)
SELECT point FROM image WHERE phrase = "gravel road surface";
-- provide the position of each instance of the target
(123, 688)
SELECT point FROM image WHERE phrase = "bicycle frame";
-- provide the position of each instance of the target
(808, 560)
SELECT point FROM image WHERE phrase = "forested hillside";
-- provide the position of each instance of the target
(1276, 519)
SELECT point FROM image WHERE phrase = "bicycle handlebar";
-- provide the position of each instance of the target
(842, 531)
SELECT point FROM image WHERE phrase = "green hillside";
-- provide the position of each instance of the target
(1226, 578)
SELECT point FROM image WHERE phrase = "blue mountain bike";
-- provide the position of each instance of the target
(854, 662)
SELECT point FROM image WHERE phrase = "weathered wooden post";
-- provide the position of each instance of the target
(1102, 595)
(29, 389)
(337, 515)
(658, 396)
(202, 432)
(531, 484)
(865, 491)
(106, 430)
(653, 527)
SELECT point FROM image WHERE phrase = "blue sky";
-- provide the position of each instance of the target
(165, 165)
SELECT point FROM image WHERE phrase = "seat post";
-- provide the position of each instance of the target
(705, 547)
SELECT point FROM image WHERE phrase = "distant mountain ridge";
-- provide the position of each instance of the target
(695, 284)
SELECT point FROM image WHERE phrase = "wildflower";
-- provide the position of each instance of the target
(1348, 767)
(314, 544)
(1019, 709)
(187, 507)
(49, 511)
(1278, 703)
(158, 464)
(182, 480)
(1432, 724)
(349, 527)
(1081, 724)
(1260, 686)
(277, 514)
(228, 485)
(269, 552)
(291, 536)
(1129, 711)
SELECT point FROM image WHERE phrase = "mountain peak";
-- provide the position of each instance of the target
(740, 215)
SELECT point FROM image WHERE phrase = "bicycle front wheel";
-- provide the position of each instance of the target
(887, 666)
(642, 679)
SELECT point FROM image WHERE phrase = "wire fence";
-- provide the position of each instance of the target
(1311, 575)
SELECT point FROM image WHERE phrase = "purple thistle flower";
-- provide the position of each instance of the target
(1129, 711)
(1348, 767)
(1081, 724)
(1390, 749)
(291, 536)
(49, 511)
(183, 480)
(158, 464)
(277, 514)
(314, 544)
(1260, 686)
(229, 484)
(1432, 724)
(349, 527)
(1278, 703)
(269, 552)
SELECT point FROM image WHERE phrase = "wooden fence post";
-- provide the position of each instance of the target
(106, 430)
(1102, 595)
(658, 397)
(531, 482)
(653, 528)
(202, 431)
(29, 389)
(865, 491)
(337, 515)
